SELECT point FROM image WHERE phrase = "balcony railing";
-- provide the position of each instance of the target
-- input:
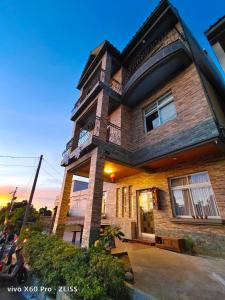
(99, 76)
(113, 134)
(148, 50)
(85, 138)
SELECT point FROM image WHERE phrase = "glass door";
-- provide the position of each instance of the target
(146, 217)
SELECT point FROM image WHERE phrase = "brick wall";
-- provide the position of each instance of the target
(208, 238)
(191, 106)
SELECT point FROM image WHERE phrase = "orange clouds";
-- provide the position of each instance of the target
(43, 196)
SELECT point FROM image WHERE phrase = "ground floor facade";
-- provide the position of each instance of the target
(129, 204)
(185, 200)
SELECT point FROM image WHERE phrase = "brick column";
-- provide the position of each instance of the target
(76, 135)
(102, 113)
(63, 206)
(106, 66)
(92, 220)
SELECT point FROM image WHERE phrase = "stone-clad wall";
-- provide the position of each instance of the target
(193, 124)
(208, 238)
(191, 106)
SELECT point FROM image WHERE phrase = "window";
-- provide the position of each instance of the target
(117, 202)
(124, 197)
(103, 203)
(130, 203)
(76, 203)
(160, 112)
(193, 196)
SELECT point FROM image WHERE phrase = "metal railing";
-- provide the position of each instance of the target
(149, 50)
(99, 76)
(113, 134)
(86, 133)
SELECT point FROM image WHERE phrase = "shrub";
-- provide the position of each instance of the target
(95, 274)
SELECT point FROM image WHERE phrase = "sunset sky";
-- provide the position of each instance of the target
(44, 46)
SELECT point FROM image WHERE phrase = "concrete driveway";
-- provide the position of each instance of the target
(166, 275)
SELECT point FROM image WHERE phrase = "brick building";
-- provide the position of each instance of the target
(216, 36)
(149, 134)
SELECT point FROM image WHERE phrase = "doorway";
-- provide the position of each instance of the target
(145, 214)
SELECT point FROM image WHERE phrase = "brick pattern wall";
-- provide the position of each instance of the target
(63, 207)
(191, 107)
(92, 219)
(208, 238)
(122, 118)
(147, 50)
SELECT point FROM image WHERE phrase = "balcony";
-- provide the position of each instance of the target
(158, 67)
(95, 84)
(86, 142)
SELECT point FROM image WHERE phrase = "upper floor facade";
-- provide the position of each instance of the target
(159, 96)
(216, 36)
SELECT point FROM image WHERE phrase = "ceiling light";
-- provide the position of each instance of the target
(108, 171)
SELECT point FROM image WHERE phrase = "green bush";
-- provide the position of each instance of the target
(95, 274)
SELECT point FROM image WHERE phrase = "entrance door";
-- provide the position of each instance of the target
(146, 218)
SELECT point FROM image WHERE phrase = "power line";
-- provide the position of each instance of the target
(50, 165)
(26, 166)
(9, 156)
(57, 179)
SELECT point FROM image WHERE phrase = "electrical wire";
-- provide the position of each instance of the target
(53, 168)
(26, 166)
(9, 156)
(56, 179)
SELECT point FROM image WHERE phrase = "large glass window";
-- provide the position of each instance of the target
(160, 112)
(193, 196)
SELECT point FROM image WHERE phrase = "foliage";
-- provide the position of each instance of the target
(109, 235)
(95, 274)
(190, 245)
(44, 211)
(16, 217)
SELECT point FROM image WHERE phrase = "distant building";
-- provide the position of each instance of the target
(79, 185)
(216, 36)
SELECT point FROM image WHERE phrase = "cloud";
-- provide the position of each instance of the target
(44, 196)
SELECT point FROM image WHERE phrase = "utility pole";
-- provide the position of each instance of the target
(13, 199)
(32, 193)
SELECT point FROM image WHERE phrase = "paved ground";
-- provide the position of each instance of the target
(167, 275)
(5, 295)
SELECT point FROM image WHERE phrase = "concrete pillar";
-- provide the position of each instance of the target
(63, 207)
(92, 220)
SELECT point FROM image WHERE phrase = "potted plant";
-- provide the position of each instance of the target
(109, 235)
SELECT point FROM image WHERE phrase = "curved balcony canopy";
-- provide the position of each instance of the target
(158, 69)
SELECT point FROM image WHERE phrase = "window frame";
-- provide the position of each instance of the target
(169, 99)
(189, 187)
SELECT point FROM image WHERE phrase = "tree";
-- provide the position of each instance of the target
(17, 214)
(44, 211)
